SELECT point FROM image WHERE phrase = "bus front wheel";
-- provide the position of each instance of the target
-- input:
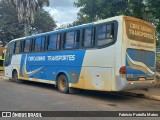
(63, 84)
(15, 77)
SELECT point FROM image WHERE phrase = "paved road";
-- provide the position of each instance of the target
(31, 96)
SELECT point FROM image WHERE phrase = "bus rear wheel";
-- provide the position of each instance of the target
(15, 77)
(63, 84)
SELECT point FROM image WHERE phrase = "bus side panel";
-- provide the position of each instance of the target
(99, 68)
(119, 57)
(97, 78)
(46, 66)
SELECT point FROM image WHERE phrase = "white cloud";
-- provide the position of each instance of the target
(63, 11)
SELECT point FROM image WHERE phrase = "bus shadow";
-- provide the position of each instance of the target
(35, 84)
(39, 85)
(113, 96)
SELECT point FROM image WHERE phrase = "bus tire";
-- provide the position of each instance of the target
(63, 85)
(15, 77)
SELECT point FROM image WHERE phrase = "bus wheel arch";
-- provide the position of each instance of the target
(62, 82)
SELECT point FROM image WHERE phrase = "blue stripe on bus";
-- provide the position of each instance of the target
(146, 57)
(137, 73)
(49, 64)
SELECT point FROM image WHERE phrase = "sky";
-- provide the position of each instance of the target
(63, 11)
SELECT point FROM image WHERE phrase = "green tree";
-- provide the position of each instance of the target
(10, 28)
(89, 9)
(93, 10)
(26, 10)
(153, 7)
(43, 22)
(137, 8)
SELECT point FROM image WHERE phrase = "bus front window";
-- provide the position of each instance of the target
(9, 52)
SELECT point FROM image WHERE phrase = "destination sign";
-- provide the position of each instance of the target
(140, 32)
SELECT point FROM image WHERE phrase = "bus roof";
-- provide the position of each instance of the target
(82, 26)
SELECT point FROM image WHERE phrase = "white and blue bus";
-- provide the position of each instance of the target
(115, 54)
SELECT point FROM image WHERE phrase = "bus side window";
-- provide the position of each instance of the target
(52, 42)
(88, 37)
(33, 45)
(105, 34)
(110, 31)
(17, 47)
(69, 40)
(27, 45)
(38, 44)
(22, 46)
(9, 52)
(43, 44)
(58, 41)
(77, 37)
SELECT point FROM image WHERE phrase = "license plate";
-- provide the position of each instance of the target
(142, 79)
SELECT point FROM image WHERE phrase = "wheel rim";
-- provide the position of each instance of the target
(62, 84)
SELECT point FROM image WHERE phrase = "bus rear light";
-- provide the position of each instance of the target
(122, 70)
